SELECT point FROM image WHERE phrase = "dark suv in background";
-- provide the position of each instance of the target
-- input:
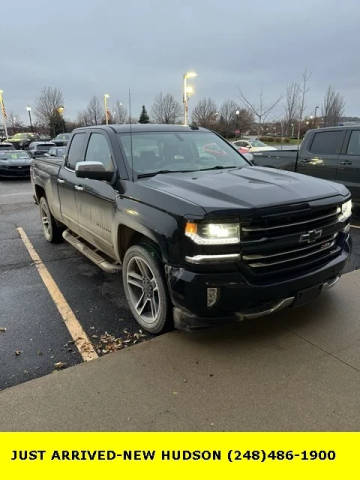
(332, 153)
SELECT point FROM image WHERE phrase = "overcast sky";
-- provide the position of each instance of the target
(93, 47)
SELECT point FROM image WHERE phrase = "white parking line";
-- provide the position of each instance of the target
(355, 226)
(85, 347)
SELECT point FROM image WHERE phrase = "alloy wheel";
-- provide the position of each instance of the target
(143, 289)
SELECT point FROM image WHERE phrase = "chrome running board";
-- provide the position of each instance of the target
(91, 254)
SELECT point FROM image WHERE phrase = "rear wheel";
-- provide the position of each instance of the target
(52, 231)
(145, 289)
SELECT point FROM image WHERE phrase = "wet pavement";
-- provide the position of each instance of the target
(34, 340)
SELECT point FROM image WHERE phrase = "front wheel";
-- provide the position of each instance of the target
(52, 231)
(145, 289)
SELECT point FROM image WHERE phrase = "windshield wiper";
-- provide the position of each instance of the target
(152, 174)
(217, 167)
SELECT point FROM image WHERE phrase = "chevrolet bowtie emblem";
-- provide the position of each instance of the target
(311, 236)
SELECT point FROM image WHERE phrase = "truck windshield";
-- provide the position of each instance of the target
(160, 152)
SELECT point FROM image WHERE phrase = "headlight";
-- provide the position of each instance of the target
(345, 211)
(213, 233)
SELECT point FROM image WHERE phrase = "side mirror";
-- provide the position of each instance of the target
(93, 170)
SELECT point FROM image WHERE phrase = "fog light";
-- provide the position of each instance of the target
(212, 296)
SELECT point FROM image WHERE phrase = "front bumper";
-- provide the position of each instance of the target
(239, 298)
(15, 171)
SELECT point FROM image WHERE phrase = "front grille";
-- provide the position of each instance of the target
(288, 256)
(290, 223)
(292, 241)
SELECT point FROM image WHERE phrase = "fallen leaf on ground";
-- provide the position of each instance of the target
(109, 343)
(59, 365)
(2, 329)
(18, 352)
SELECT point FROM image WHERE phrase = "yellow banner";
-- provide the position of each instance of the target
(180, 455)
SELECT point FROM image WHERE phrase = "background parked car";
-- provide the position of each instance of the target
(241, 149)
(38, 149)
(61, 139)
(6, 146)
(56, 152)
(23, 140)
(254, 145)
(14, 163)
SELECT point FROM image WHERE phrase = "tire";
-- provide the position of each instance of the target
(145, 289)
(52, 231)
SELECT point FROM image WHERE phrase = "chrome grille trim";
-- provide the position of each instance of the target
(299, 257)
(286, 225)
(289, 252)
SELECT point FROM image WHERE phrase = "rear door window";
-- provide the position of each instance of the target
(354, 143)
(76, 151)
(327, 142)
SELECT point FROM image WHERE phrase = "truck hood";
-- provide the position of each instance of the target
(244, 188)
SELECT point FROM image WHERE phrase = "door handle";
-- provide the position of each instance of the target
(346, 162)
(79, 188)
(60, 180)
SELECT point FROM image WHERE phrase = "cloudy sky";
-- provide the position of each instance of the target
(93, 47)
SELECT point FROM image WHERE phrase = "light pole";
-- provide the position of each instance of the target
(237, 113)
(3, 111)
(29, 112)
(316, 109)
(60, 110)
(106, 97)
(187, 92)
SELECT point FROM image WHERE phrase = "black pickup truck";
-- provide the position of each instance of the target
(198, 233)
(330, 153)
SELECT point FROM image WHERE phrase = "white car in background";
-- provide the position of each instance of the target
(254, 145)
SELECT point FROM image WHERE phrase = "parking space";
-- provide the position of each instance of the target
(34, 339)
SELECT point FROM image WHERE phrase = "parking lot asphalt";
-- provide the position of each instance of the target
(297, 370)
(34, 339)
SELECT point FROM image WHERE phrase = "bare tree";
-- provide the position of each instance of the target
(261, 110)
(49, 101)
(120, 114)
(292, 105)
(94, 111)
(228, 111)
(304, 89)
(165, 109)
(14, 122)
(333, 107)
(204, 112)
(232, 117)
(83, 119)
(244, 120)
